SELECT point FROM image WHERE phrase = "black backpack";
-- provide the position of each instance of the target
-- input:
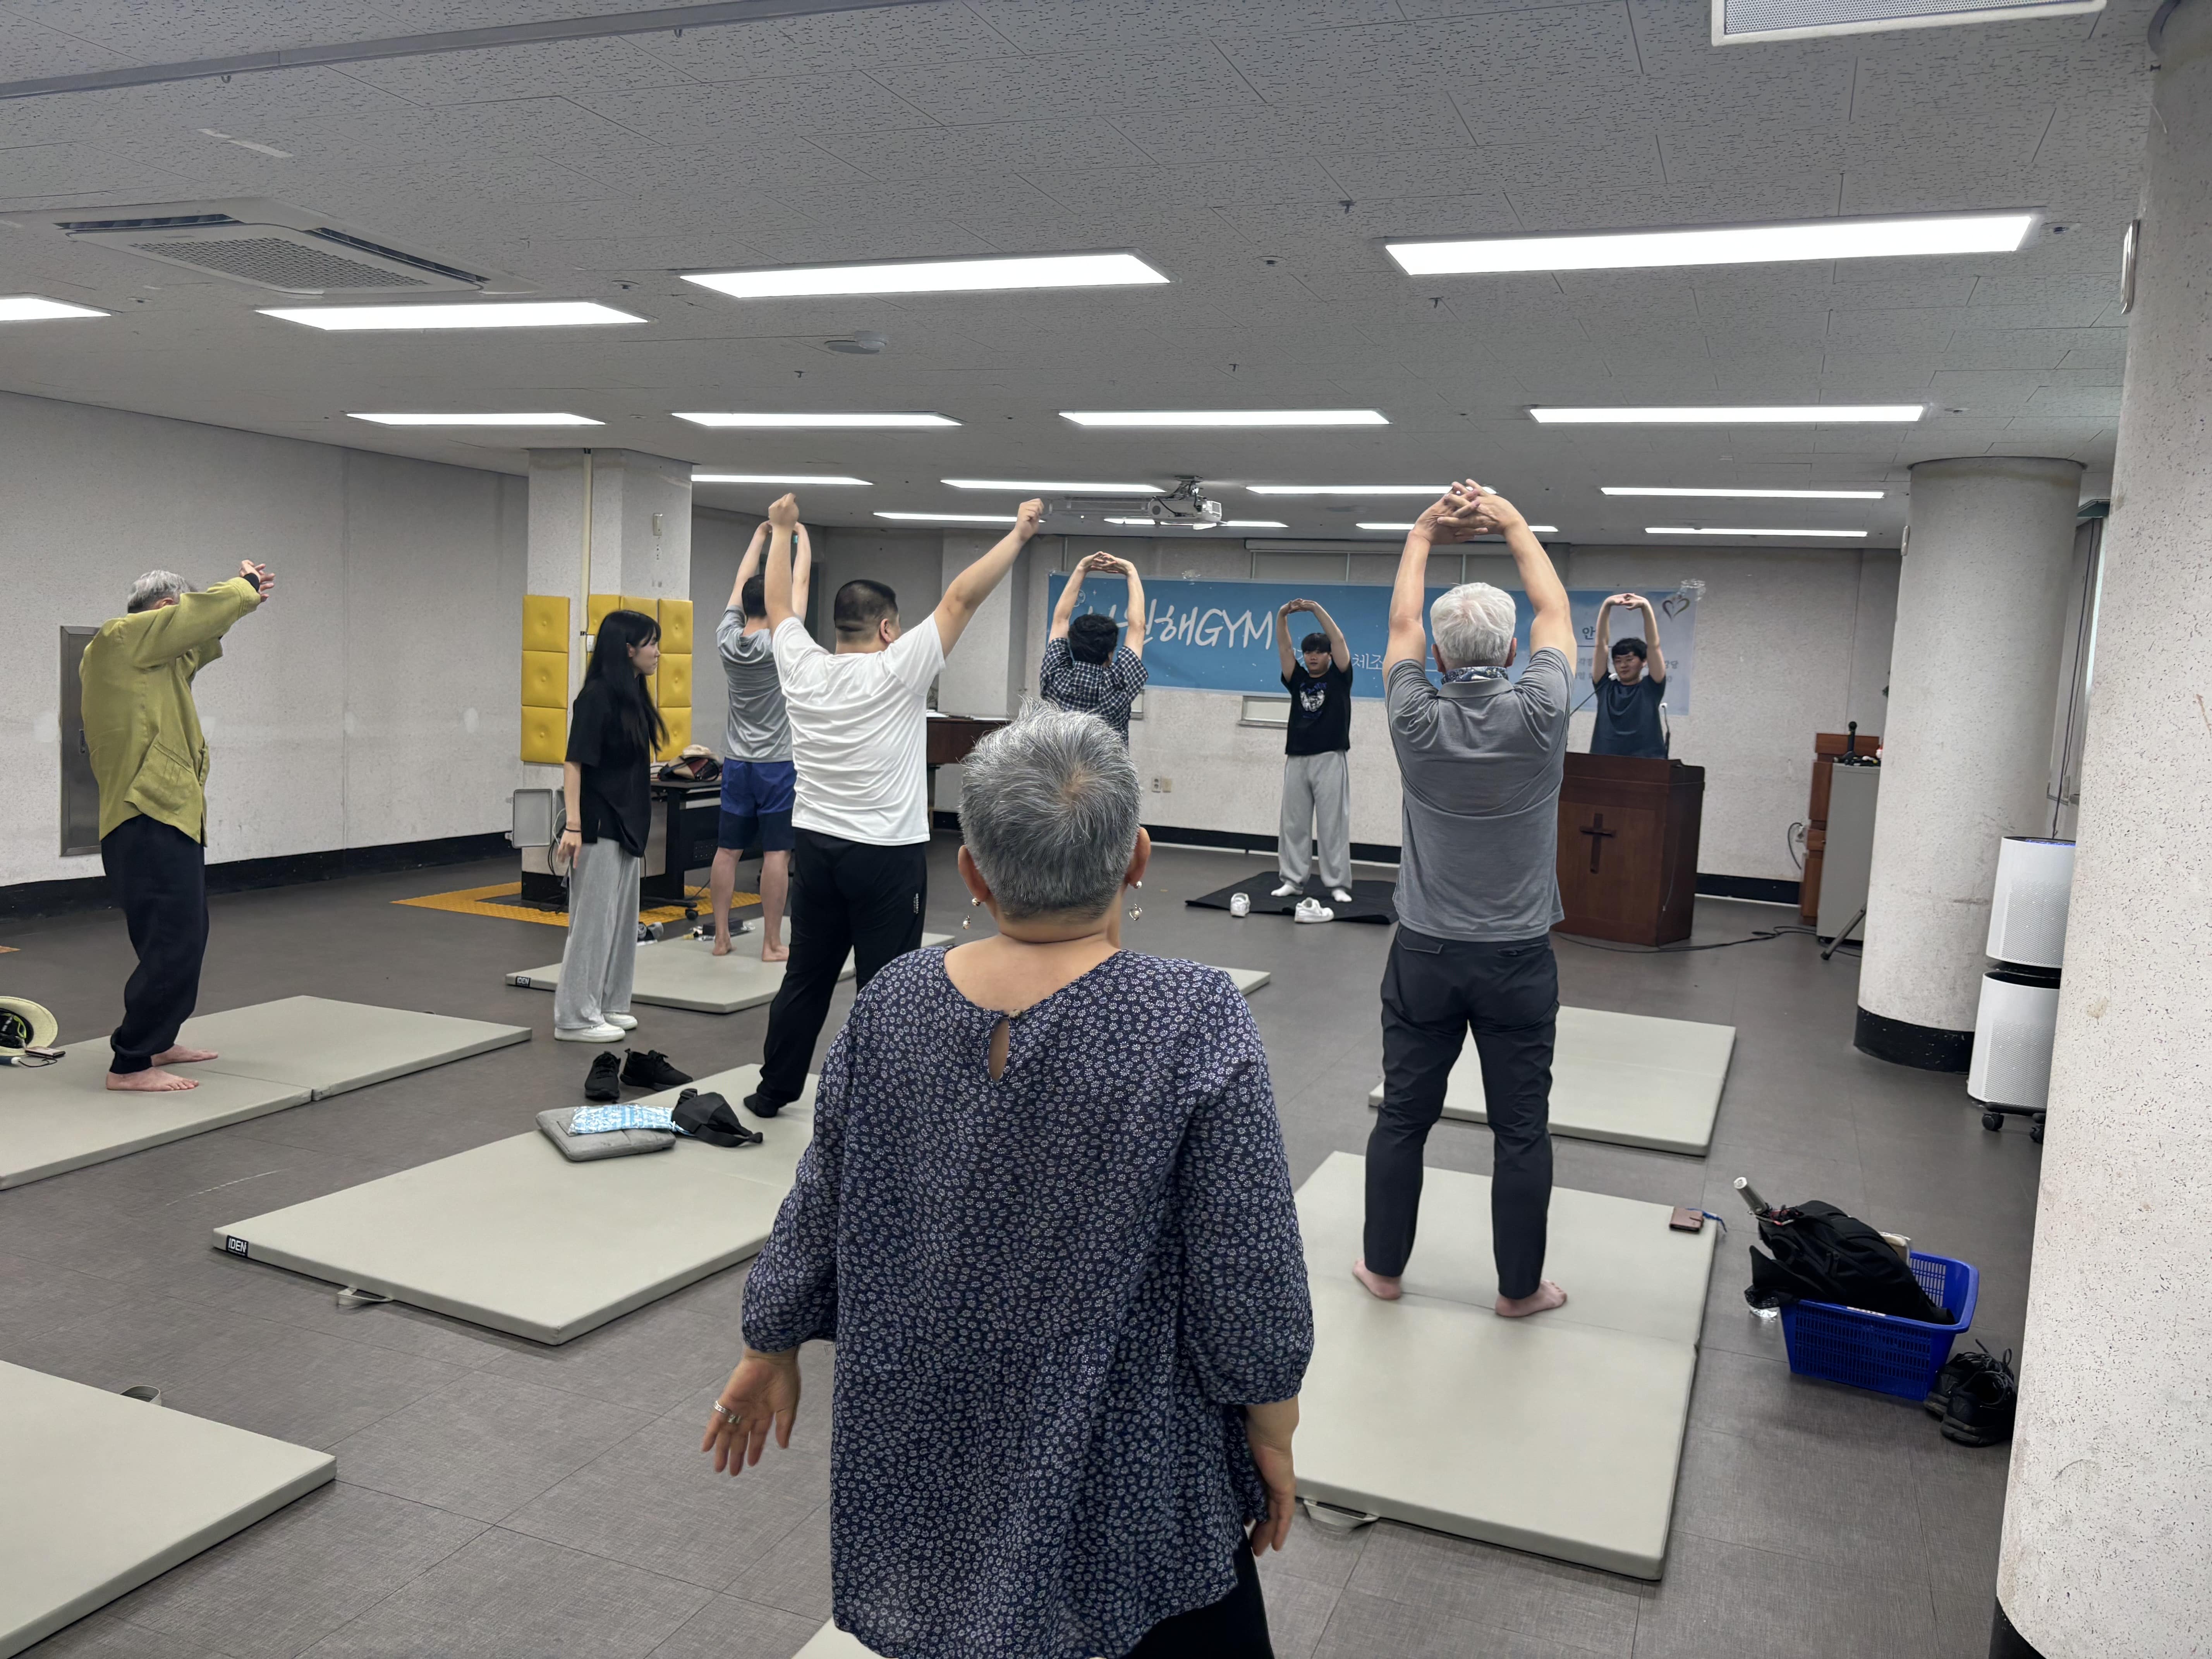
(1821, 1254)
(710, 1118)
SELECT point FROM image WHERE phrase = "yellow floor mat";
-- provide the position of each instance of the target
(485, 901)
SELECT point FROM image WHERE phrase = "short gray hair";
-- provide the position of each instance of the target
(155, 586)
(1473, 625)
(1048, 809)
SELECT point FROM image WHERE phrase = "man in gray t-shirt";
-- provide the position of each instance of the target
(1479, 761)
(757, 776)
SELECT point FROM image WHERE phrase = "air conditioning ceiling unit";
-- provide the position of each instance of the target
(1737, 22)
(272, 245)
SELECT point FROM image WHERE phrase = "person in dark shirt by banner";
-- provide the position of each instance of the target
(1630, 692)
(1316, 750)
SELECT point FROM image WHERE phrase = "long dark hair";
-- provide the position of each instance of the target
(612, 668)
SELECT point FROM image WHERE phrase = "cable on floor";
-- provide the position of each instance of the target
(1759, 936)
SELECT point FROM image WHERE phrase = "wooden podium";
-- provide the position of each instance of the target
(1628, 848)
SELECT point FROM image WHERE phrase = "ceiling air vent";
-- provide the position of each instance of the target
(271, 245)
(1735, 21)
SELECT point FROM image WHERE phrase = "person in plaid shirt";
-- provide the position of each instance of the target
(1086, 670)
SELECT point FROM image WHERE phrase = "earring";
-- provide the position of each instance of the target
(966, 922)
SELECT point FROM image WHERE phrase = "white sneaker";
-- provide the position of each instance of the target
(1240, 904)
(1287, 888)
(1340, 896)
(622, 1022)
(1312, 910)
(589, 1034)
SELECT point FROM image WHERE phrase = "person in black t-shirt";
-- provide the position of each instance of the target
(1630, 693)
(613, 729)
(1316, 758)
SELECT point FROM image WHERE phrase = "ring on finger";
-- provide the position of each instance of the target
(727, 1415)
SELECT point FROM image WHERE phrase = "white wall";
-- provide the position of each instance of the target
(375, 699)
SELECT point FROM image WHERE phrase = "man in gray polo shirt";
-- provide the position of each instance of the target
(1479, 762)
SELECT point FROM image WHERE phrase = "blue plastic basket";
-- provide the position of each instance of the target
(1870, 1350)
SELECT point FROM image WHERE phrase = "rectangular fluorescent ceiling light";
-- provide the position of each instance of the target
(1225, 524)
(512, 313)
(1048, 489)
(1431, 490)
(776, 478)
(1535, 529)
(31, 309)
(1735, 414)
(801, 422)
(1738, 20)
(1027, 270)
(1190, 418)
(951, 517)
(475, 420)
(1748, 494)
(1681, 530)
(1724, 245)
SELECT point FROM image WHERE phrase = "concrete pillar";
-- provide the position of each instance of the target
(1981, 607)
(606, 521)
(2108, 1515)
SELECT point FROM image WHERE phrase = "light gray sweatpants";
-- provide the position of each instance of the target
(601, 958)
(1316, 806)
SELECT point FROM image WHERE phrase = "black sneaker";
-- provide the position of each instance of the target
(1982, 1405)
(1957, 1369)
(603, 1081)
(761, 1106)
(651, 1070)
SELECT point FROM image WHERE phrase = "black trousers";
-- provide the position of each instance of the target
(159, 876)
(845, 895)
(1234, 1627)
(1434, 991)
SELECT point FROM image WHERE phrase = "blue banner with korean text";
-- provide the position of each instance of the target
(1220, 635)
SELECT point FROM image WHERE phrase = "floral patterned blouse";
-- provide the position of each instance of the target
(1052, 1294)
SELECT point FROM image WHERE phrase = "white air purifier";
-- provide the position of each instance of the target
(2017, 1018)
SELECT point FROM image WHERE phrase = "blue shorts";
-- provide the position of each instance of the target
(756, 801)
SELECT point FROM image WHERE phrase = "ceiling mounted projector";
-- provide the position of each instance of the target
(1183, 508)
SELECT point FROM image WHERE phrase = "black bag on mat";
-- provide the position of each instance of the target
(1821, 1254)
(712, 1118)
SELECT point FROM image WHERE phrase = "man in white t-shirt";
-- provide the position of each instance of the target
(859, 868)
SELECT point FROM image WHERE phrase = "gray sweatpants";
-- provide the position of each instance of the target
(601, 958)
(1316, 806)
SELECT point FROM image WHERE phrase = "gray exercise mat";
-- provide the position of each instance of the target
(102, 1494)
(685, 973)
(514, 1237)
(1561, 1434)
(271, 1055)
(1629, 1078)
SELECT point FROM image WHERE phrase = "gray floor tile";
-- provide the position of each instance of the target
(278, 1586)
(1324, 1554)
(1456, 1578)
(729, 1628)
(504, 1596)
(1363, 1626)
(649, 1360)
(103, 1636)
(795, 1575)
(1298, 1612)
(481, 1446)
(1721, 1598)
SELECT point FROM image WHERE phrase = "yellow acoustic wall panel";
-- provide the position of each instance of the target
(672, 685)
(595, 611)
(679, 733)
(545, 622)
(642, 602)
(544, 679)
(545, 736)
(676, 627)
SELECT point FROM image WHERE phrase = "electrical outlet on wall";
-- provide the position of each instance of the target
(1164, 786)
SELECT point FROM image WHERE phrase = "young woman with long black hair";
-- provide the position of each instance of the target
(613, 730)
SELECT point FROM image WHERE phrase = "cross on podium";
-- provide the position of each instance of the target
(1599, 835)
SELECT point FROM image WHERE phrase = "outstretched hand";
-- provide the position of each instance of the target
(259, 575)
(783, 512)
(1027, 517)
(761, 1397)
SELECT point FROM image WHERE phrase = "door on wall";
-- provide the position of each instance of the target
(80, 789)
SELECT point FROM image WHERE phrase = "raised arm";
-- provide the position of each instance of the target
(1601, 661)
(1283, 651)
(1655, 663)
(1450, 518)
(802, 574)
(1064, 612)
(1134, 639)
(965, 597)
(1338, 651)
(775, 571)
(199, 619)
(747, 565)
(1552, 626)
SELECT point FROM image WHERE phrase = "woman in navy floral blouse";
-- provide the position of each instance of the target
(1047, 1220)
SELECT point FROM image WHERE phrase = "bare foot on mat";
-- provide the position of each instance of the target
(181, 1055)
(153, 1081)
(775, 952)
(1547, 1297)
(721, 944)
(1381, 1289)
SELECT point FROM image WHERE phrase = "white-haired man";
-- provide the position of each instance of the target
(1479, 761)
(150, 761)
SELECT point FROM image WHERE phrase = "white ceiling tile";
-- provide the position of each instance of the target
(709, 117)
(557, 67)
(995, 87)
(1002, 147)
